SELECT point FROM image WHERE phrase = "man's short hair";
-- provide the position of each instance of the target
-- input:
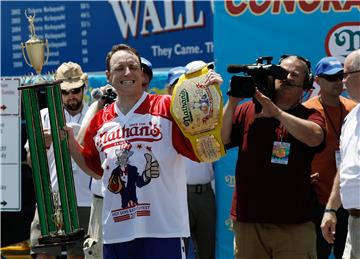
(119, 47)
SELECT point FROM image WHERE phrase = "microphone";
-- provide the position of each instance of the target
(97, 94)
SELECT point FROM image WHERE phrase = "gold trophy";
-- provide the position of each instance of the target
(57, 211)
(35, 49)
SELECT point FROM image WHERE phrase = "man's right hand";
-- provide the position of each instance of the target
(269, 109)
(47, 137)
(328, 226)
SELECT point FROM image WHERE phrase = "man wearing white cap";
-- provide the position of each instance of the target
(200, 195)
(346, 187)
(329, 73)
(72, 93)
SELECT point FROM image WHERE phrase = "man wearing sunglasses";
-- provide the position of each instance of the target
(334, 108)
(346, 187)
(73, 85)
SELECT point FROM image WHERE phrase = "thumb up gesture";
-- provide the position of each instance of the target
(151, 167)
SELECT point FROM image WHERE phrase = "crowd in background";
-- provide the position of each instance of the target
(297, 191)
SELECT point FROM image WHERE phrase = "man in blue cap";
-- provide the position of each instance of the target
(173, 76)
(333, 107)
(200, 195)
(148, 73)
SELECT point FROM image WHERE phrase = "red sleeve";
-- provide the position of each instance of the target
(182, 144)
(90, 152)
(318, 119)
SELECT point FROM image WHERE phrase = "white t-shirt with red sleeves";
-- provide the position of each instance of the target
(118, 147)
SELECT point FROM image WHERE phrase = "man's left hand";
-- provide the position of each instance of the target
(269, 109)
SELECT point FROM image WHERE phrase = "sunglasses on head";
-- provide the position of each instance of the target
(73, 91)
(333, 78)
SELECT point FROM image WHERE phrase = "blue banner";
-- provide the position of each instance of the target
(168, 33)
(245, 30)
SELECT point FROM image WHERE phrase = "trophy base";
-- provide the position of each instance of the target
(57, 240)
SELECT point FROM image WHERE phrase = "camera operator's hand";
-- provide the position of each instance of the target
(269, 109)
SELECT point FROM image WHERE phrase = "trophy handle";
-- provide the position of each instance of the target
(47, 51)
(24, 55)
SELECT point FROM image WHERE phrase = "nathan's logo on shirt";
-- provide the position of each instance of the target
(138, 210)
(148, 132)
(184, 97)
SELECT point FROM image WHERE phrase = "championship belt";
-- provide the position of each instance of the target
(197, 110)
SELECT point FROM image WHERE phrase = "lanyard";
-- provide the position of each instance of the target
(332, 124)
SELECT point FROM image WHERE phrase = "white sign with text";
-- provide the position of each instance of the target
(10, 185)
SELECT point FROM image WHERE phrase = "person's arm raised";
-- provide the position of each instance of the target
(306, 131)
(228, 113)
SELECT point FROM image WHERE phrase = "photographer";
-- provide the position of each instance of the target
(271, 207)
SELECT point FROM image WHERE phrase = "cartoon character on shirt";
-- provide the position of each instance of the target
(125, 177)
(202, 104)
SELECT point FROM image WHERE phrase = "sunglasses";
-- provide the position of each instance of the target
(351, 72)
(73, 91)
(333, 78)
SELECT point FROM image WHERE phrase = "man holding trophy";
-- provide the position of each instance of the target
(74, 83)
(135, 146)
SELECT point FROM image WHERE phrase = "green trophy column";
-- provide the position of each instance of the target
(62, 159)
(39, 166)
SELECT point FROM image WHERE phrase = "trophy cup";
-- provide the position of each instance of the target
(35, 50)
(58, 215)
(197, 110)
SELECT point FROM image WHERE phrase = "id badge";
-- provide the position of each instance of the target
(337, 158)
(280, 153)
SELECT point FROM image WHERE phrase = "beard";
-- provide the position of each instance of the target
(73, 105)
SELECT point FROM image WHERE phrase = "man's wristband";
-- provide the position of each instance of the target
(330, 210)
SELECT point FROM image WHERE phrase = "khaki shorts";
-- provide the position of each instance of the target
(93, 246)
(274, 241)
(71, 249)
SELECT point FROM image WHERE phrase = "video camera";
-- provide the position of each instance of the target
(258, 75)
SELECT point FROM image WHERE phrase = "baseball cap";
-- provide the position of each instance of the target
(147, 67)
(197, 65)
(174, 74)
(328, 66)
(71, 74)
